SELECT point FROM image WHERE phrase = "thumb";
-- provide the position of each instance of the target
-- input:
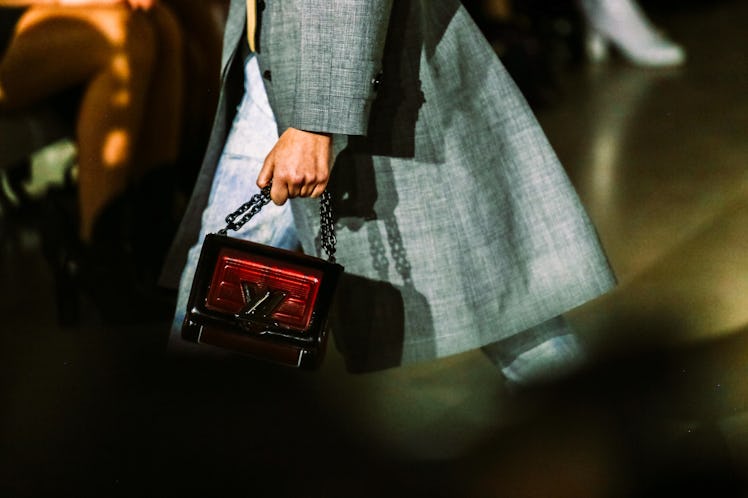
(266, 173)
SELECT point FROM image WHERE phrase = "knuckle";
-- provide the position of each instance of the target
(297, 178)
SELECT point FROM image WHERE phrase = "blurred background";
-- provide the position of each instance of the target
(647, 107)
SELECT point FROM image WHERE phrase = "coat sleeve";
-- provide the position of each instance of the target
(341, 48)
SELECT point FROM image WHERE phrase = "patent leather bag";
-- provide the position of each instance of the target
(262, 301)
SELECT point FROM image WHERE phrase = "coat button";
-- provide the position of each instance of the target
(376, 81)
(261, 5)
(268, 75)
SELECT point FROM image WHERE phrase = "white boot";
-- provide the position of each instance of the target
(623, 24)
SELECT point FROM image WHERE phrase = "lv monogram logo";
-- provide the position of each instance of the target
(260, 302)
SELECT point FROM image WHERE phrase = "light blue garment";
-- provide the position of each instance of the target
(544, 352)
(253, 134)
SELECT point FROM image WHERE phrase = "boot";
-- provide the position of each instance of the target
(622, 24)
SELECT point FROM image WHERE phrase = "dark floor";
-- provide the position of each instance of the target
(660, 159)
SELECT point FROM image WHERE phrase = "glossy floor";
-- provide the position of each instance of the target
(660, 158)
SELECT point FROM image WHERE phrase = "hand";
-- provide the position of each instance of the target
(298, 165)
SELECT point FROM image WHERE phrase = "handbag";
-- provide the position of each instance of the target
(262, 301)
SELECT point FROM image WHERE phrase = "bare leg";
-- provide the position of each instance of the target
(111, 52)
(202, 22)
(161, 136)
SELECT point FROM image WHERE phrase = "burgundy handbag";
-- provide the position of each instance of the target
(262, 301)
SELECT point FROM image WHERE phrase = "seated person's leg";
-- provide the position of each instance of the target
(109, 52)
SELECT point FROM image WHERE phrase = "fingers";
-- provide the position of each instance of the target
(279, 193)
(298, 166)
(307, 189)
(293, 186)
(266, 173)
(318, 190)
(279, 189)
(283, 189)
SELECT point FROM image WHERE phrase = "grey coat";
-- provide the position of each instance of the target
(456, 224)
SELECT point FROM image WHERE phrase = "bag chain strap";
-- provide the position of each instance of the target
(255, 204)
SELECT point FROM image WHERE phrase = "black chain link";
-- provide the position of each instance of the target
(327, 226)
(251, 208)
(397, 249)
(256, 203)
